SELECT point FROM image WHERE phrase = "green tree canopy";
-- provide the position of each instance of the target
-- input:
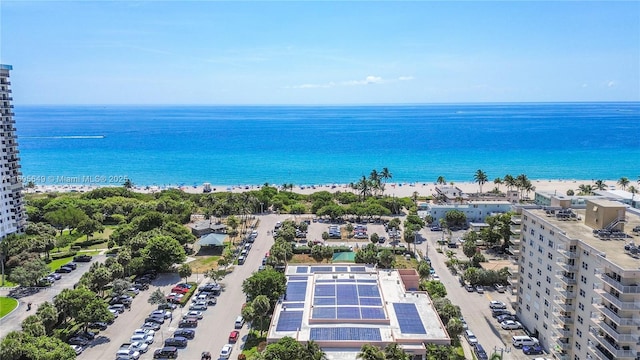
(161, 252)
(268, 282)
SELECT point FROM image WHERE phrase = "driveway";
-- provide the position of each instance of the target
(37, 296)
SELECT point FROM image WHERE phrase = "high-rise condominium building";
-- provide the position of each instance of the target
(12, 217)
(579, 280)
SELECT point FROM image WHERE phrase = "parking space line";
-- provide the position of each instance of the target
(488, 296)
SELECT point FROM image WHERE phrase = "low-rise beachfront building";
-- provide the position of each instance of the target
(561, 200)
(450, 194)
(475, 211)
(622, 196)
(579, 282)
(344, 306)
(206, 227)
(12, 215)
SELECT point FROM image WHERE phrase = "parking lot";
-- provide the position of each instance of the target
(211, 333)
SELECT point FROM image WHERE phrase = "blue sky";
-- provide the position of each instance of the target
(320, 52)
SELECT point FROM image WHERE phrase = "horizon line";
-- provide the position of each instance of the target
(354, 104)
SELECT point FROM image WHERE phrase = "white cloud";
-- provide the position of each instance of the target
(371, 79)
(611, 83)
(585, 85)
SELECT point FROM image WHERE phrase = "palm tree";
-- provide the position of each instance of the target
(128, 184)
(585, 189)
(600, 185)
(623, 182)
(510, 181)
(522, 183)
(374, 177)
(312, 351)
(370, 352)
(441, 180)
(386, 175)
(481, 178)
(364, 187)
(633, 191)
(393, 351)
(498, 182)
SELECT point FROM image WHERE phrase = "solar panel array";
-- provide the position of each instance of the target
(329, 269)
(296, 291)
(345, 334)
(408, 318)
(347, 299)
(289, 321)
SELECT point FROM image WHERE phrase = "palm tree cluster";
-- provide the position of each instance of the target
(521, 183)
(392, 351)
(374, 184)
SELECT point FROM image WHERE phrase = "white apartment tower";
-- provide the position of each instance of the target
(12, 217)
(579, 280)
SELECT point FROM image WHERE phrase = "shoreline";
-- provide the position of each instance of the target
(402, 189)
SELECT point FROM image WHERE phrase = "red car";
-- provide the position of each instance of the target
(179, 290)
(233, 337)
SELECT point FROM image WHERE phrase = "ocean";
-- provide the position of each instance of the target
(313, 145)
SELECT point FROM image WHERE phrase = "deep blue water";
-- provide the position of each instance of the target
(229, 145)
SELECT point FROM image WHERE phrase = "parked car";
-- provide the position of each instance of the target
(178, 342)
(188, 323)
(85, 334)
(480, 289)
(195, 314)
(127, 354)
(510, 325)
(117, 307)
(78, 349)
(151, 326)
(497, 312)
(141, 286)
(139, 347)
(71, 265)
(155, 319)
(185, 333)
(471, 337)
(63, 270)
(163, 313)
(499, 288)
(532, 349)
(506, 317)
(148, 339)
(469, 288)
(98, 325)
(198, 306)
(225, 353)
(167, 306)
(55, 276)
(167, 352)
(233, 336)
(481, 354)
(144, 331)
(82, 258)
(497, 305)
(78, 341)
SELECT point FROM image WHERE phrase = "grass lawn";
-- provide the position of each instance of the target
(55, 264)
(8, 283)
(6, 305)
(254, 345)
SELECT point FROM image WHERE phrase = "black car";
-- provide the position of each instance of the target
(78, 341)
(141, 286)
(167, 352)
(64, 270)
(167, 306)
(187, 324)
(154, 319)
(85, 334)
(178, 341)
(185, 333)
(71, 265)
(498, 312)
(98, 325)
(82, 258)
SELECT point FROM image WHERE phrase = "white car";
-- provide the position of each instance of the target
(77, 348)
(140, 347)
(142, 338)
(435, 277)
(144, 332)
(164, 313)
(195, 314)
(510, 325)
(127, 354)
(497, 305)
(225, 353)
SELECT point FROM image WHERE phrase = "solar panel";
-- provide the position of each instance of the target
(345, 334)
(295, 305)
(372, 281)
(325, 281)
(296, 291)
(368, 291)
(302, 269)
(325, 290)
(372, 313)
(297, 278)
(408, 318)
(289, 321)
(370, 301)
(341, 269)
(357, 268)
(348, 312)
(347, 294)
(324, 300)
(324, 312)
(321, 269)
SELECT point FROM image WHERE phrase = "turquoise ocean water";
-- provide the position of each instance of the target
(307, 145)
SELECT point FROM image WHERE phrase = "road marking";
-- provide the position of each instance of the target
(488, 296)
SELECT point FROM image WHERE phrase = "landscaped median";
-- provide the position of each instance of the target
(7, 305)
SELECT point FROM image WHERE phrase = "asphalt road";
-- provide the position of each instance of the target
(12, 321)
(213, 330)
(474, 306)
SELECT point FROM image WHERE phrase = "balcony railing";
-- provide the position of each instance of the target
(567, 294)
(627, 289)
(617, 302)
(616, 318)
(568, 254)
(565, 319)
(618, 337)
(565, 279)
(562, 306)
(514, 249)
(567, 267)
(617, 353)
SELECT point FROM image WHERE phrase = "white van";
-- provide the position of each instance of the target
(239, 322)
(241, 260)
(523, 340)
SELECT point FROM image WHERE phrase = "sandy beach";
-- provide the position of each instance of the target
(394, 189)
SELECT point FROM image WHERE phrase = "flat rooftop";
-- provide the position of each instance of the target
(612, 248)
(343, 306)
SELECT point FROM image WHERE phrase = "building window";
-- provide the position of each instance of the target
(552, 232)
(538, 283)
(550, 243)
(540, 237)
(580, 320)
(548, 280)
(533, 232)
(546, 302)
(540, 249)
(535, 316)
(548, 267)
(581, 306)
(529, 276)
(530, 265)
(550, 256)
(528, 307)
(547, 291)
(583, 279)
(537, 294)
(582, 293)
(585, 265)
(577, 347)
(579, 332)
(539, 272)
(546, 314)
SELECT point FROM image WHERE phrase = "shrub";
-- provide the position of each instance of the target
(302, 250)
(90, 242)
(63, 255)
(185, 299)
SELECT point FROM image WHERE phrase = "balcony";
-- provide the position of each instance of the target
(568, 254)
(611, 348)
(564, 333)
(626, 305)
(626, 289)
(561, 305)
(567, 267)
(514, 249)
(563, 344)
(611, 315)
(564, 319)
(567, 294)
(565, 279)
(618, 337)
(515, 229)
